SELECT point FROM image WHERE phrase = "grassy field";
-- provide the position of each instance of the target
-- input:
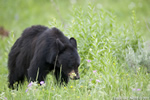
(112, 42)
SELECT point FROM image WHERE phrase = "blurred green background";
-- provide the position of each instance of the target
(16, 15)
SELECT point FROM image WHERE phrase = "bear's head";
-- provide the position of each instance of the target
(66, 58)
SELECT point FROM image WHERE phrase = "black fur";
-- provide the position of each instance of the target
(40, 50)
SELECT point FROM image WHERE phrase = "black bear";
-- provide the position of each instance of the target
(40, 50)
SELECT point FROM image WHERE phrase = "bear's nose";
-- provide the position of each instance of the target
(76, 77)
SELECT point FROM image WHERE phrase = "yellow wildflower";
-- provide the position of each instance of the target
(71, 86)
(78, 96)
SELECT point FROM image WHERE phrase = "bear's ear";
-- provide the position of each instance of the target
(60, 45)
(73, 42)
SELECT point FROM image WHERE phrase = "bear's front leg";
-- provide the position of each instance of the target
(36, 74)
(61, 78)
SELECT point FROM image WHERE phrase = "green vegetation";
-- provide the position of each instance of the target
(111, 43)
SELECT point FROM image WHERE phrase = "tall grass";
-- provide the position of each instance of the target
(106, 49)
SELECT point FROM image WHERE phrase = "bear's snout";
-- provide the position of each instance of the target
(74, 75)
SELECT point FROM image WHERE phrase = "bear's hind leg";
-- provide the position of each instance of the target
(17, 73)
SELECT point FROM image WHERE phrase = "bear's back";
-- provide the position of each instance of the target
(33, 31)
(38, 33)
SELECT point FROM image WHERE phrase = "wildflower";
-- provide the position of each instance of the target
(13, 94)
(81, 86)
(113, 63)
(138, 89)
(139, 68)
(90, 79)
(88, 61)
(100, 76)
(134, 89)
(64, 87)
(26, 90)
(89, 95)
(97, 80)
(5, 98)
(94, 71)
(42, 82)
(78, 96)
(71, 86)
(30, 84)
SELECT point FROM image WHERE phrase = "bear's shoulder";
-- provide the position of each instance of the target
(55, 31)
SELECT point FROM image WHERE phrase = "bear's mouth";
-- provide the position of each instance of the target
(73, 75)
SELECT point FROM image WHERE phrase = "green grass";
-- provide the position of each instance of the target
(114, 44)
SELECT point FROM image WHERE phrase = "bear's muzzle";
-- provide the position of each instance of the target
(74, 75)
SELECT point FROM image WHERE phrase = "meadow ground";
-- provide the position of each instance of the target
(112, 40)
